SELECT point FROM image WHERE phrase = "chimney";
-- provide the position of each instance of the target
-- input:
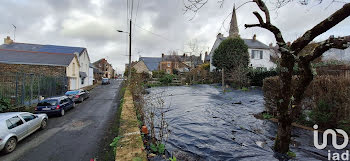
(206, 54)
(200, 55)
(219, 35)
(8, 40)
(184, 55)
(254, 37)
(289, 43)
(162, 56)
(270, 45)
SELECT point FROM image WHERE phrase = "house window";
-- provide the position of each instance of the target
(168, 71)
(82, 80)
(257, 54)
(169, 65)
(73, 69)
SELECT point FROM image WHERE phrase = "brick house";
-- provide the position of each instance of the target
(171, 63)
(147, 64)
(105, 67)
(45, 63)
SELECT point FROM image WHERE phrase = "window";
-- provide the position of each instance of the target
(257, 54)
(27, 117)
(73, 69)
(82, 80)
(169, 64)
(47, 103)
(13, 122)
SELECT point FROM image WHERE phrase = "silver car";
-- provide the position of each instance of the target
(15, 126)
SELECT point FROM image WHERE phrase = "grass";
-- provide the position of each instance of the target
(291, 154)
(267, 116)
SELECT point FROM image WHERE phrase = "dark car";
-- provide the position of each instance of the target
(105, 81)
(55, 105)
(78, 95)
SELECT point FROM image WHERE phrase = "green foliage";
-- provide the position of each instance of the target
(257, 75)
(137, 159)
(126, 72)
(267, 116)
(157, 148)
(322, 114)
(291, 154)
(5, 104)
(230, 54)
(172, 158)
(158, 74)
(166, 79)
(205, 66)
(245, 89)
(114, 143)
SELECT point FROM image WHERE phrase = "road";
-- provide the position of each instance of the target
(76, 136)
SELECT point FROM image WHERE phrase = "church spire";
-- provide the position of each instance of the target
(234, 32)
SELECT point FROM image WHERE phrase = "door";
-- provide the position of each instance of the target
(63, 104)
(31, 121)
(17, 126)
(72, 83)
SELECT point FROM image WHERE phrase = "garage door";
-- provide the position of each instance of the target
(72, 83)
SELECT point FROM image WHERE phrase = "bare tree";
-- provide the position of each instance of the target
(289, 99)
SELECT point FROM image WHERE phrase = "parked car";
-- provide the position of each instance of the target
(105, 81)
(15, 126)
(78, 95)
(55, 105)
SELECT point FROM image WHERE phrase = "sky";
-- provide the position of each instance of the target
(159, 26)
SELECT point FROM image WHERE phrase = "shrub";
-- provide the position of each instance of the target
(166, 79)
(158, 74)
(258, 75)
(5, 104)
(327, 98)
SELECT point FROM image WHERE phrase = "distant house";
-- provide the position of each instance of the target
(105, 67)
(147, 64)
(260, 53)
(81, 53)
(172, 63)
(45, 63)
(206, 58)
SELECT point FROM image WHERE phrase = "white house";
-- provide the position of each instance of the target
(85, 69)
(259, 53)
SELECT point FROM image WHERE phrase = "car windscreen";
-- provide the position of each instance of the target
(71, 92)
(47, 103)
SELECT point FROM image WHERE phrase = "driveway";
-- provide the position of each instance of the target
(76, 136)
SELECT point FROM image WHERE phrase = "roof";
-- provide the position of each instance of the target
(252, 44)
(9, 115)
(35, 58)
(43, 48)
(152, 63)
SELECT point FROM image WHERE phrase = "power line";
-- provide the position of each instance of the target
(152, 32)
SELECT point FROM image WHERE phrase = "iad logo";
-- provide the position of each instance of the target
(334, 155)
(334, 138)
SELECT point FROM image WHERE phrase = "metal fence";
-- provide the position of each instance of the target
(26, 89)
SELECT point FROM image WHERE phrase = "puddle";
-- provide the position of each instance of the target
(209, 125)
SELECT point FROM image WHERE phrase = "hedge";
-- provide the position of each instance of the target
(327, 99)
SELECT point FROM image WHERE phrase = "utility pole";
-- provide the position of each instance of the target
(129, 76)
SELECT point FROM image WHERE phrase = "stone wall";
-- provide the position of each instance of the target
(35, 69)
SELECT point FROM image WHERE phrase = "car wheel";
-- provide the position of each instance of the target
(62, 112)
(43, 124)
(10, 145)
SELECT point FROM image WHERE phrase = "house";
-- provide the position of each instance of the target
(80, 52)
(260, 53)
(97, 74)
(172, 63)
(45, 63)
(147, 64)
(105, 67)
(192, 61)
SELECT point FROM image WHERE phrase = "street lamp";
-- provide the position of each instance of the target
(129, 75)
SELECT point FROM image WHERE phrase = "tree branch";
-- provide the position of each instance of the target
(322, 27)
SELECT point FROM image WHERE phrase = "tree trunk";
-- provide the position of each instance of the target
(223, 80)
(283, 136)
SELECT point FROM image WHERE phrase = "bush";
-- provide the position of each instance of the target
(5, 105)
(158, 74)
(166, 79)
(327, 98)
(258, 75)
